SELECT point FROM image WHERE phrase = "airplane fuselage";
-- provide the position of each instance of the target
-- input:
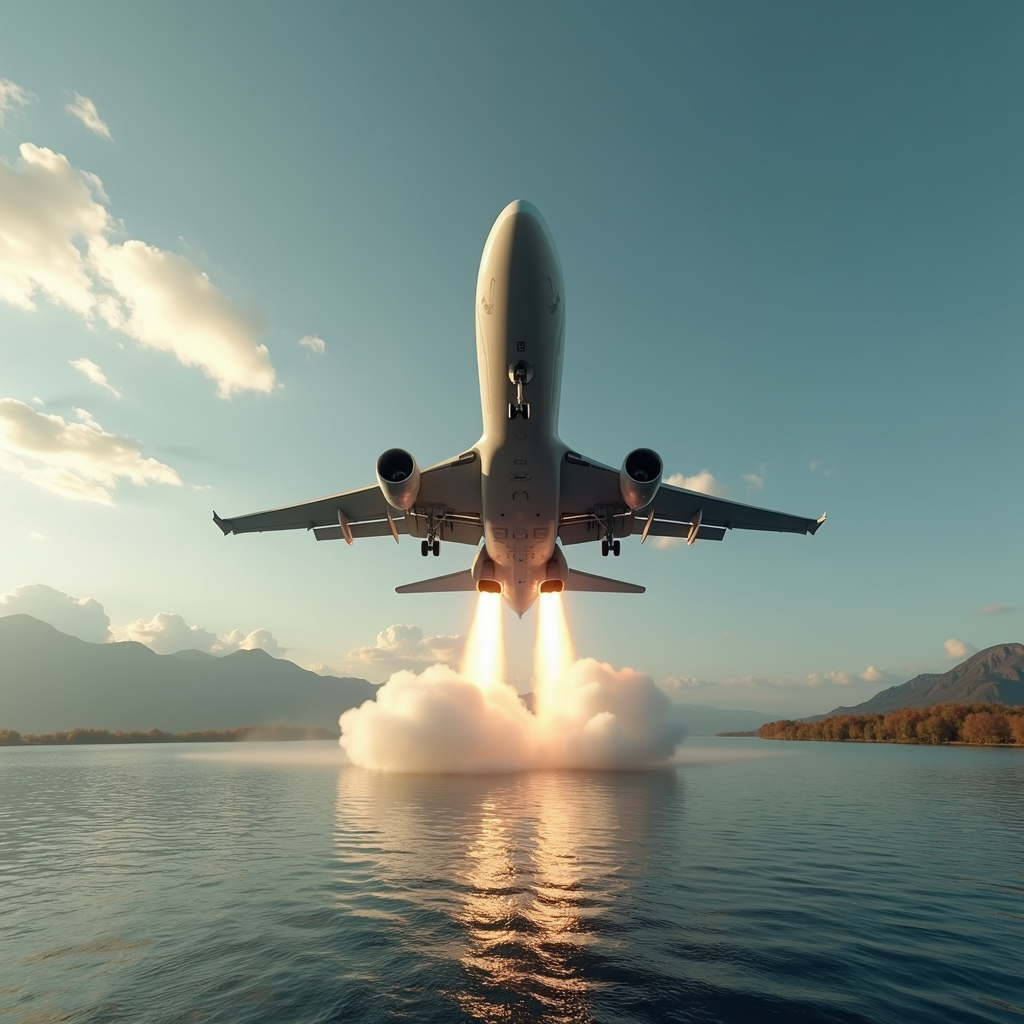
(520, 326)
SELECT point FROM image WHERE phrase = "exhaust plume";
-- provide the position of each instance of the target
(587, 714)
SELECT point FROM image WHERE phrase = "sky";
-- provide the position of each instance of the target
(238, 248)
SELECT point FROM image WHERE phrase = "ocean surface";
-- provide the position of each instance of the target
(757, 881)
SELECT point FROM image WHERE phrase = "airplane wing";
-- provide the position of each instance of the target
(449, 494)
(591, 497)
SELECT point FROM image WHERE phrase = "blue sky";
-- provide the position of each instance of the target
(793, 244)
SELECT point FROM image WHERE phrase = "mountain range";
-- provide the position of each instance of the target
(51, 682)
(993, 676)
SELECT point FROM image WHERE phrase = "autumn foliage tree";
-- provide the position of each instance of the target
(943, 723)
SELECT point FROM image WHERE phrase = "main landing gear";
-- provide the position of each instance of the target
(612, 546)
(428, 546)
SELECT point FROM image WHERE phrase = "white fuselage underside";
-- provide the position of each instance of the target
(520, 316)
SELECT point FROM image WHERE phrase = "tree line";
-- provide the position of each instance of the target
(13, 738)
(943, 723)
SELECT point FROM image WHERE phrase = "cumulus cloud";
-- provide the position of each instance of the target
(405, 647)
(594, 716)
(957, 650)
(57, 243)
(95, 374)
(754, 481)
(313, 343)
(85, 110)
(82, 617)
(257, 640)
(12, 95)
(79, 460)
(995, 609)
(702, 481)
(168, 303)
(168, 633)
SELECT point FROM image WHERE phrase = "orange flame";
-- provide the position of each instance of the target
(484, 659)
(554, 653)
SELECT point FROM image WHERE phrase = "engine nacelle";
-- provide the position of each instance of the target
(640, 477)
(399, 478)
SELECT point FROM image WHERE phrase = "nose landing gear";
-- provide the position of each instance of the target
(428, 546)
(520, 374)
(612, 546)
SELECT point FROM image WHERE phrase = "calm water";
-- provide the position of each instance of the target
(821, 882)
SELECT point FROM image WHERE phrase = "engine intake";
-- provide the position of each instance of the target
(399, 478)
(640, 477)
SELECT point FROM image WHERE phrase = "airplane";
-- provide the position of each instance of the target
(520, 489)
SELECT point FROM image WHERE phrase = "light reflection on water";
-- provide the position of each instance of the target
(838, 882)
(526, 866)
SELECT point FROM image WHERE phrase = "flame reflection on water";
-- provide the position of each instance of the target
(501, 883)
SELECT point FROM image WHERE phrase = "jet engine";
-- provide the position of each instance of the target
(399, 478)
(640, 477)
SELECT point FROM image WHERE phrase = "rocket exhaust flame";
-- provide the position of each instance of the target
(484, 659)
(586, 714)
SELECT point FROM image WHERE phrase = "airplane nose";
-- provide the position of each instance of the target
(520, 206)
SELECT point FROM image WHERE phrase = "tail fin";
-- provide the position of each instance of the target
(600, 584)
(453, 583)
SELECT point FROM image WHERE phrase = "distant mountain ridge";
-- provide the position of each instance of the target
(52, 682)
(994, 675)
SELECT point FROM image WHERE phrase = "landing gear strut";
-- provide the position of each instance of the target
(432, 545)
(608, 542)
(520, 374)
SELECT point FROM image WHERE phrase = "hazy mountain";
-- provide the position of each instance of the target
(994, 675)
(50, 681)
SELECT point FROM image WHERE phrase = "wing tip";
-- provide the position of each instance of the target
(224, 524)
(814, 529)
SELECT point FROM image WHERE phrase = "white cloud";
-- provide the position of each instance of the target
(167, 633)
(313, 343)
(36, 536)
(81, 617)
(957, 650)
(754, 481)
(817, 467)
(95, 374)
(594, 716)
(995, 609)
(257, 640)
(45, 207)
(703, 482)
(56, 243)
(168, 303)
(80, 460)
(11, 96)
(85, 110)
(405, 647)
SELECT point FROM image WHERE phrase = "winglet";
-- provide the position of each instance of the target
(814, 529)
(224, 524)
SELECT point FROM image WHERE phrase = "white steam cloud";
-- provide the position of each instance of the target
(586, 714)
(440, 721)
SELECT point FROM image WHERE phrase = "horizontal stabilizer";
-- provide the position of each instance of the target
(454, 583)
(600, 584)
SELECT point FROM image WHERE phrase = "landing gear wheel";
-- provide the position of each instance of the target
(615, 549)
(423, 549)
(604, 549)
(436, 548)
(513, 412)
